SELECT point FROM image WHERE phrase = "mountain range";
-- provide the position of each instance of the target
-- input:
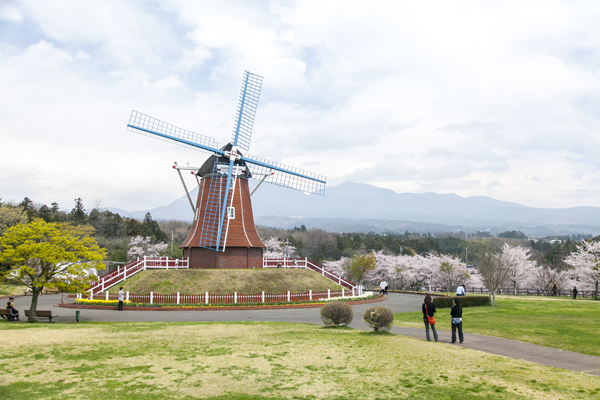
(351, 207)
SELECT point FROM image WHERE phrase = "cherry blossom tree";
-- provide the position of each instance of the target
(409, 272)
(140, 246)
(544, 277)
(516, 259)
(586, 261)
(449, 272)
(278, 249)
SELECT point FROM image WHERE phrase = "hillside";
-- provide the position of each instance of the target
(272, 281)
(352, 207)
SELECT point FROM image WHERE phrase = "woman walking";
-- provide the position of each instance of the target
(428, 310)
(456, 313)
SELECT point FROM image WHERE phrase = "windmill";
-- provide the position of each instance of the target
(223, 234)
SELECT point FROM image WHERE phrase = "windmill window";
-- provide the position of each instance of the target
(231, 212)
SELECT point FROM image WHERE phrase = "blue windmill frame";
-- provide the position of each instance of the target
(274, 173)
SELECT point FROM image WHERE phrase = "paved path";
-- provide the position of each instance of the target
(397, 302)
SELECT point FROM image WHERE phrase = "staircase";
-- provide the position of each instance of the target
(307, 264)
(132, 268)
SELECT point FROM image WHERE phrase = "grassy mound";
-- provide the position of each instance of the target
(196, 281)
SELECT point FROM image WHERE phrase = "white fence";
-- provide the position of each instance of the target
(235, 298)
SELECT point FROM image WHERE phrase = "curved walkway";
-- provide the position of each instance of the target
(397, 302)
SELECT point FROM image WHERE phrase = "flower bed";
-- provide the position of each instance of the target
(272, 303)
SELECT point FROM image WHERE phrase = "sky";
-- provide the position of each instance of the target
(495, 98)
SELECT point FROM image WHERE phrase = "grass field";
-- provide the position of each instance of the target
(6, 290)
(228, 281)
(561, 323)
(260, 361)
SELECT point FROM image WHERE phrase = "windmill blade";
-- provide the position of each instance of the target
(246, 109)
(149, 126)
(286, 176)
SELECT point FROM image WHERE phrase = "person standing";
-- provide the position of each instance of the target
(428, 309)
(382, 287)
(460, 290)
(575, 293)
(554, 290)
(456, 313)
(121, 297)
(387, 285)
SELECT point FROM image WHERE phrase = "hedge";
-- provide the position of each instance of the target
(465, 301)
(337, 313)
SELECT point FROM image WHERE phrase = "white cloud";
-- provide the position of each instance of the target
(496, 99)
(9, 12)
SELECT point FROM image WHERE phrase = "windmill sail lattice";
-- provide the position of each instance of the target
(246, 110)
(225, 175)
(149, 126)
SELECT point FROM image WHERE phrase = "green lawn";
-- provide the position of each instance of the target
(561, 323)
(260, 361)
(6, 290)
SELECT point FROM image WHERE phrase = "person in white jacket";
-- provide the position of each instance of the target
(121, 297)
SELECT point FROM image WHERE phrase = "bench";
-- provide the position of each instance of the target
(42, 314)
(5, 314)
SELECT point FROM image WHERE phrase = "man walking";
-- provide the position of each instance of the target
(575, 293)
(121, 298)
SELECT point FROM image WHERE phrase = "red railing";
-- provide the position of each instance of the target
(133, 267)
(307, 264)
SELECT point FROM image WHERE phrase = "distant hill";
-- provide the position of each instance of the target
(362, 207)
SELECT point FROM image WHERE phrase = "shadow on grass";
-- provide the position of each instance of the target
(333, 327)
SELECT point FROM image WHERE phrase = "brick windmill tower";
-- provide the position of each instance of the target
(223, 234)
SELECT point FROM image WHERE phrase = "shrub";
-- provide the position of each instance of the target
(379, 318)
(465, 301)
(337, 313)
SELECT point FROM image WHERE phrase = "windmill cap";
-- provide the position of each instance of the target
(208, 166)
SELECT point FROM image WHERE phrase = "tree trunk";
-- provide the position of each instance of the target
(34, 298)
(515, 288)
(493, 296)
(596, 291)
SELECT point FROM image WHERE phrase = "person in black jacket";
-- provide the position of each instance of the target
(574, 292)
(428, 309)
(456, 313)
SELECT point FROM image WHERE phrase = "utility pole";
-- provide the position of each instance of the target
(467, 255)
(171, 243)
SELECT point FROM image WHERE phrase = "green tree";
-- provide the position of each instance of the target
(359, 266)
(51, 255)
(77, 214)
(11, 216)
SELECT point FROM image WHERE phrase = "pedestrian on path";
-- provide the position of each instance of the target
(387, 285)
(382, 287)
(428, 309)
(575, 292)
(456, 313)
(121, 297)
(554, 289)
